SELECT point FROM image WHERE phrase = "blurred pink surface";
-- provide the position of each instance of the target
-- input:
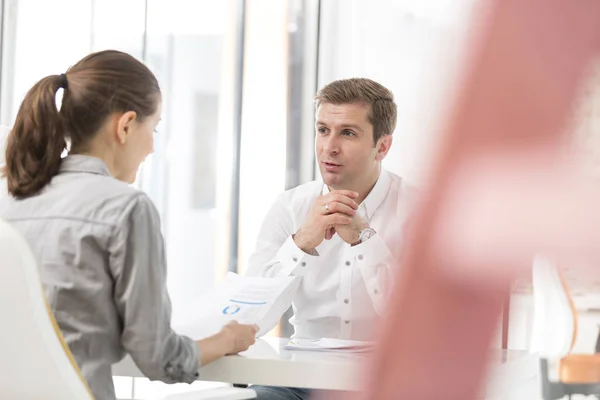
(501, 188)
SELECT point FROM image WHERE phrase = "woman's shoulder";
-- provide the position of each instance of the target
(94, 198)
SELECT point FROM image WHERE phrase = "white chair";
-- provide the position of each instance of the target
(35, 362)
(555, 319)
(555, 326)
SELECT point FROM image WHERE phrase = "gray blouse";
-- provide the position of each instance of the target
(102, 262)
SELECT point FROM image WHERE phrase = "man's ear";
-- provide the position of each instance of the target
(124, 125)
(383, 146)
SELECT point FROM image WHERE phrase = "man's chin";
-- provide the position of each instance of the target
(331, 180)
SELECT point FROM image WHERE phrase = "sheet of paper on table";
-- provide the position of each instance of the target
(329, 344)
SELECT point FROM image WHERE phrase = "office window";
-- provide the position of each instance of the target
(191, 46)
(206, 127)
(39, 40)
(277, 150)
(119, 25)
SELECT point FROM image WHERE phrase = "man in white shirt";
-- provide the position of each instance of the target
(340, 235)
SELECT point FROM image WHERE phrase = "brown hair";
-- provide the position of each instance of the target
(383, 112)
(99, 85)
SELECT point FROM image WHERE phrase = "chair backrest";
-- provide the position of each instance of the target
(555, 318)
(35, 362)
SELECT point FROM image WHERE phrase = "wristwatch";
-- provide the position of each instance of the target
(364, 235)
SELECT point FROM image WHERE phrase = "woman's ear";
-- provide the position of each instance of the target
(124, 125)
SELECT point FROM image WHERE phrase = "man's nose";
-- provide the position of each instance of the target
(332, 144)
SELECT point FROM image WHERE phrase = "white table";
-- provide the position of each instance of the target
(268, 363)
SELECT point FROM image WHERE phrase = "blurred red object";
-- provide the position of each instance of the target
(506, 126)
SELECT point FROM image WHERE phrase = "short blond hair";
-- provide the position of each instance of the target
(383, 113)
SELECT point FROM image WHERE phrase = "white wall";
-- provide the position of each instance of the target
(412, 48)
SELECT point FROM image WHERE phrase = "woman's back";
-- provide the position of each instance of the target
(75, 226)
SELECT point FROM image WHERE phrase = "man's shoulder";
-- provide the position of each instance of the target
(405, 190)
(397, 181)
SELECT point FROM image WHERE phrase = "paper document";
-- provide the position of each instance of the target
(247, 300)
(329, 344)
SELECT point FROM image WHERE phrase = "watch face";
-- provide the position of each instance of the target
(366, 234)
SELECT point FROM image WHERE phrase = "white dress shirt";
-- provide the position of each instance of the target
(343, 288)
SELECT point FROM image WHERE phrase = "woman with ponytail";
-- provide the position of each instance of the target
(98, 240)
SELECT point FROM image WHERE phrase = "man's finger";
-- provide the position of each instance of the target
(329, 233)
(336, 197)
(337, 219)
(337, 207)
(349, 193)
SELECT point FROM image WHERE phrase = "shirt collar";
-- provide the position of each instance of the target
(86, 164)
(375, 197)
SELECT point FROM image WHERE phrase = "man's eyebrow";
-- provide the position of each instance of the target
(351, 126)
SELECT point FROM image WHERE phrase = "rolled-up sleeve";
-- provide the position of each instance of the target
(138, 266)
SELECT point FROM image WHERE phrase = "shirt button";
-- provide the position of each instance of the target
(295, 259)
(303, 263)
(346, 322)
(376, 291)
(348, 263)
(360, 257)
(346, 301)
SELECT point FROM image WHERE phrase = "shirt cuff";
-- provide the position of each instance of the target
(294, 261)
(187, 369)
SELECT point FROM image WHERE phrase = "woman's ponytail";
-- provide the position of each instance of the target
(37, 140)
